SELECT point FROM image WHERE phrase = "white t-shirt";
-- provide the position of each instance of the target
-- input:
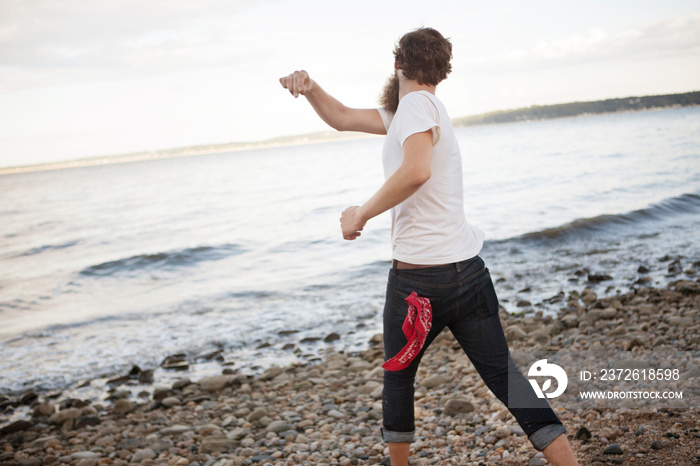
(429, 227)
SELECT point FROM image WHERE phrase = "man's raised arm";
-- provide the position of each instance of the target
(334, 113)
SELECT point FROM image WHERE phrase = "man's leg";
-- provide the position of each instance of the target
(398, 453)
(559, 452)
(480, 334)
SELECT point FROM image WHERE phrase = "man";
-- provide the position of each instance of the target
(435, 250)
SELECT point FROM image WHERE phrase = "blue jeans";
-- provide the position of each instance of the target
(462, 298)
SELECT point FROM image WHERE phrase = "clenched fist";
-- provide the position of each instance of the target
(297, 83)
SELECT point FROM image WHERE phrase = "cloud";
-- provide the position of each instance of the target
(69, 41)
(667, 38)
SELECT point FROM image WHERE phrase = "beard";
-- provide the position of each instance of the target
(390, 95)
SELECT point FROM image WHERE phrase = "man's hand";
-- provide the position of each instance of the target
(351, 223)
(298, 83)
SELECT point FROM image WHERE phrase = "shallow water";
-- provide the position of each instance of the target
(104, 267)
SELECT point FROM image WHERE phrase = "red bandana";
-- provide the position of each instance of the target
(416, 327)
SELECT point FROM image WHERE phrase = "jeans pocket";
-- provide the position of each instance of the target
(400, 306)
(486, 300)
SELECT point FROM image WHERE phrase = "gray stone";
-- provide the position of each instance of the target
(44, 409)
(502, 433)
(271, 373)
(215, 382)
(279, 426)
(177, 429)
(85, 455)
(217, 444)
(66, 415)
(40, 442)
(171, 401)
(656, 445)
(123, 407)
(16, 426)
(613, 449)
(515, 332)
(457, 406)
(145, 454)
(257, 414)
(434, 381)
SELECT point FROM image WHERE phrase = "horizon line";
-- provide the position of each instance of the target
(280, 141)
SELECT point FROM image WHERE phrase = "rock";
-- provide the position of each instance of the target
(279, 426)
(271, 373)
(262, 458)
(502, 433)
(536, 462)
(217, 444)
(257, 414)
(62, 416)
(619, 330)
(85, 455)
(570, 321)
(175, 362)
(656, 445)
(122, 407)
(335, 414)
(161, 393)
(43, 441)
(146, 377)
(171, 401)
(44, 409)
(331, 337)
(87, 421)
(598, 277)
(161, 445)
(515, 333)
(583, 434)
(27, 398)
(28, 462)
(215, 383)
(144, 454)
(457, 406)
(613, 449)
(588, 296)
(16, 426)
(177, 429)
(434, 381)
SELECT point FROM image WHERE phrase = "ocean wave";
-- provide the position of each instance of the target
(169, 260)
(50, 247)
(681, 205)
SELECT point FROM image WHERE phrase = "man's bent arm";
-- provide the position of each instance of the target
(333, 112)
(414, 171)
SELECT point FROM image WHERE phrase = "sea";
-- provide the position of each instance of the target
(240, 254)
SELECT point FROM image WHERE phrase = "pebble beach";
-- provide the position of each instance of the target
(328, 412)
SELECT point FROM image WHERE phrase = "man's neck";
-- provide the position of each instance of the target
(407, 86)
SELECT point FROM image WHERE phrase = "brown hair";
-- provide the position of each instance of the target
(424, 55)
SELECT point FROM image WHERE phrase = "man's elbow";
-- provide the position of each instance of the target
(419, 177)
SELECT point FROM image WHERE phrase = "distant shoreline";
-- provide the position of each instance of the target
(533, 113)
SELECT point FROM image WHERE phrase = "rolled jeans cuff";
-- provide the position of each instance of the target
(398, 437)
(546, 435)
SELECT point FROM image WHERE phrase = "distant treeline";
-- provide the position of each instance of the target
(541, 112)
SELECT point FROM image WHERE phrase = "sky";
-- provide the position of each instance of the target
(92, 78)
